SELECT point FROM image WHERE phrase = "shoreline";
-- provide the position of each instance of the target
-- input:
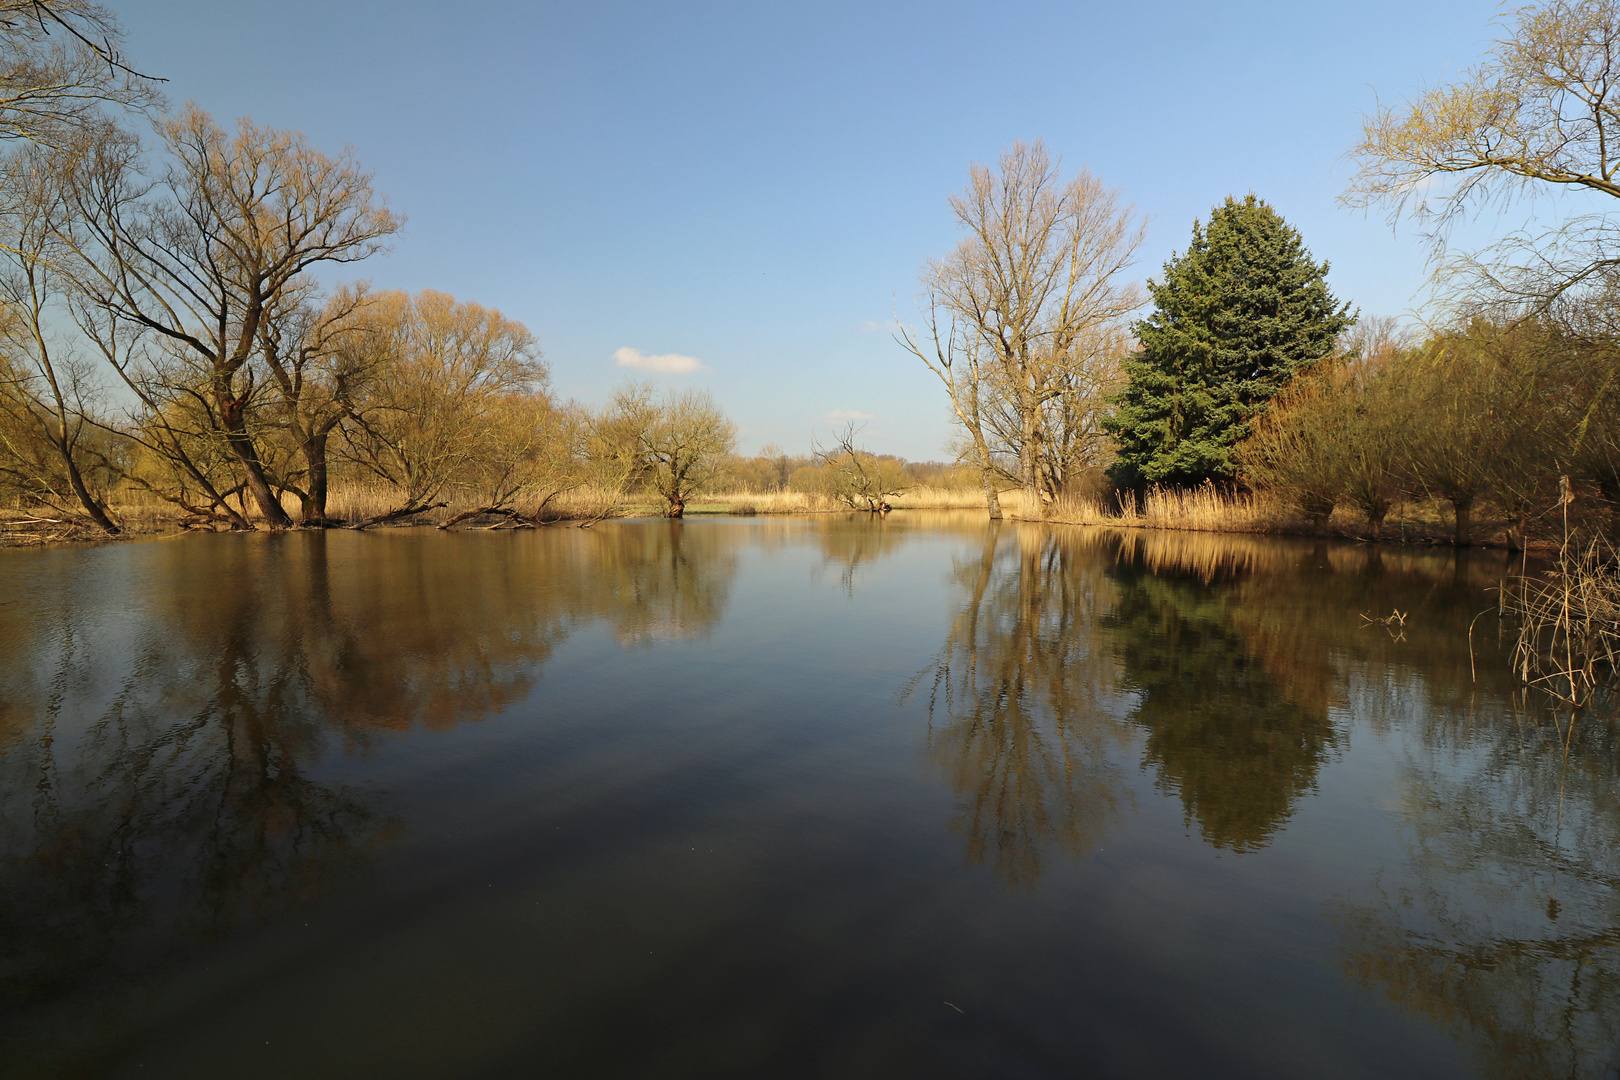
(31, 532)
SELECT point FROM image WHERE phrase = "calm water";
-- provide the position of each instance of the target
(778, 798)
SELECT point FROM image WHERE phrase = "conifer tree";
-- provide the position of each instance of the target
(1234, 319)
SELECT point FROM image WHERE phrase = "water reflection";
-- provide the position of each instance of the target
(1021, 702)
(1503, 924)
(186, 730)
(162, 748)
(1228, 655)
(1237, 746)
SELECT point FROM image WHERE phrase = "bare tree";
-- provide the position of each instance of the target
(1459, 427)
(1294, 449)
(858, 478)
(528, 451)
(60, 62)
(321, 362)
(49, 384)
(442, 369)
(1016, 316)
(1072, 438)
(1541, 113)
(204, 254)
(682, 439)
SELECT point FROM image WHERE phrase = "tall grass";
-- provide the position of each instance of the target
(1202, 509)
(1569, 623)
(806, 502)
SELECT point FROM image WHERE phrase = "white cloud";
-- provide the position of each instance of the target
(873, 326)
(660, 364)
(838, 415)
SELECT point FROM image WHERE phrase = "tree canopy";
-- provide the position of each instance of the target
(1234, 319)
(1541, 113)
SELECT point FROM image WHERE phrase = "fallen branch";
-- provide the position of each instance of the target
(396, 515)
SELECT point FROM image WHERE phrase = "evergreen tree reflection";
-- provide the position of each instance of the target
(1222, 734)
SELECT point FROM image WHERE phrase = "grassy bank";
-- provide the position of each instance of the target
(1208, 510)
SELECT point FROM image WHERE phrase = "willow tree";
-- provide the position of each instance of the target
(198, 256)
(1541, 113)
(679, 441)
(1019, 316)
(442, 378)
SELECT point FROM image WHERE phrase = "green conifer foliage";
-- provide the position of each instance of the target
(1235, 318)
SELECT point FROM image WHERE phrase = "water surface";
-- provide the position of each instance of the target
(789, 797)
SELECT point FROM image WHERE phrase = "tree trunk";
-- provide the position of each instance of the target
(677, 507)
(86, 500)
(1029, 464)
(992, 499)
(1463, 509)
(314, 512)
(241, 443)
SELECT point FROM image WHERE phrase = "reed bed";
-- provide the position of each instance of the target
(1569, 624)
(1202, 509)
(937, 498)
(745, 503)
(807, 502)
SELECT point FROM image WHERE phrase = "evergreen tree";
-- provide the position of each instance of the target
(1235, 318)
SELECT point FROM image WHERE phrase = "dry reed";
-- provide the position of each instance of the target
(1202, 509)
(1569, 624)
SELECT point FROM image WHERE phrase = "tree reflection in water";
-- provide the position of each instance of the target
(1020, 702)
(1222, 733)
(160, 767)
(177, 744)
(1218, 659)
(1501, 926)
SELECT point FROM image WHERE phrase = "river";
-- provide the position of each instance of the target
(819, 797)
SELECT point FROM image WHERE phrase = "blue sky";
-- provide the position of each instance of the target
(757, 185)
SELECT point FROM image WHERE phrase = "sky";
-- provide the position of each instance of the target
(739, 196)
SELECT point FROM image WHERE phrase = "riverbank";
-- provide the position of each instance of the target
(1199, 511)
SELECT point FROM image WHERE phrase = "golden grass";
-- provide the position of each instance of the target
(1206, 509)
(1202, 509)
(766, 502)
(803, 502)
(933, 498)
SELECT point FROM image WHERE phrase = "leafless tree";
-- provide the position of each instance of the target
(528, 451)
(61, 61)
(681, 439)
(322, 361)
(442, 370)
(1022, 312)
(48, 386)
(1539, 114)
(203, 254)
(856, 477)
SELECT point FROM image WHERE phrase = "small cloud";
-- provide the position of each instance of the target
(838, 415)
(661, 364)
(873, 326)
